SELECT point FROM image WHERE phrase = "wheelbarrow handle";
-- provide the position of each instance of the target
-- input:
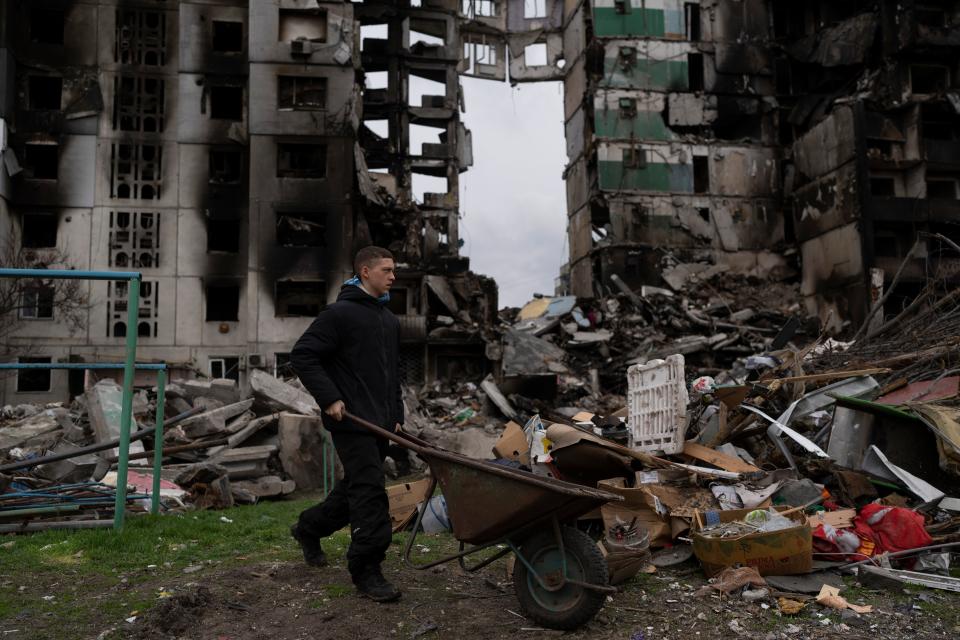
(405, 440)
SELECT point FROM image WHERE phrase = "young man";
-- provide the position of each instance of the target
(348, 360)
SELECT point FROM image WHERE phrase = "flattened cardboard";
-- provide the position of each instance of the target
(404, 499)
(513, 444)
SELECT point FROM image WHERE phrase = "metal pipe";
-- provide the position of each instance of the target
(25, 527)
(32, 511)
(100, 446)
(176, 449)
(158, 441)
(126, 407)
(63, 274)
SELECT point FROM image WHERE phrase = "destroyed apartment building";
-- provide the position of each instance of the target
(216, 148)
(237, 153)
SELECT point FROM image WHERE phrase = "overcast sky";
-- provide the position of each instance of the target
(513, 200)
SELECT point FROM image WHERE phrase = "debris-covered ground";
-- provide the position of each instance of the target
(205, 578)
(811, 483)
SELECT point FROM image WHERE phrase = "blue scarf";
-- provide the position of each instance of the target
(355, 282)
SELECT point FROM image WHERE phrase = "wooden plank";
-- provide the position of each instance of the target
(717, 459)
(773, 385)
(841, 519)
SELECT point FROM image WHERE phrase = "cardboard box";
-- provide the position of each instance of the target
(513, 444)
(620, 566)
(777, 553)
(404, 499)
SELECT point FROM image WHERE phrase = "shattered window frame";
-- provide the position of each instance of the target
(35, 91)
(219, 303)
(225, 166)
(226, 102)
(291, 96)
(301, 160)
(34, 380)
(37, 301)
(311, 226)
(286, 17)
(32, 152)
(223, 32)
(300, 298)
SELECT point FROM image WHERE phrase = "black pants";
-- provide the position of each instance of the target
(358, 500)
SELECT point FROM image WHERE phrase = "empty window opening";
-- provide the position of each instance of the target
(939, 122)
(301, 160)
(421, 185)
(701, 174)
(223, 235)
(138, 104)
(479, 8)
(942, 188)
(39, 231)
(46, 25)
(426, 141)
(136, 171)
(627, 107)
(428, 32)
(929, 78)
(226, 166)
(298, 24)
(300, 297)
(141, 38)
(426, 93)
(695, 71)
(376, 79)
(225, 367)
(33, 380)
(691, 11)
(534, 9)
(634, 158)
(40, 161)
(379, 127)
(45, 92)
(227, 36)
(621, 7)
(301, 93)
(372, 32)
(281, 365)
(226, 103)
(930, 16)
(480, 58)
(704, 213)
(301, 229)
(535, 55)
(223, 302)
(36, 301)
(882, 187)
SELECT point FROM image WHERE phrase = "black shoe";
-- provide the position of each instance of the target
(313, 554)
(373, 585)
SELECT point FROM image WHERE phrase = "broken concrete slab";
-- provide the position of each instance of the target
(76, 469)
(32, 429)
(525, 354)
(265, 487)
(496, 397)
(301, 449)
(246, 462)
(223, 389)
(280, 395)
(214, 421)
(205, 472)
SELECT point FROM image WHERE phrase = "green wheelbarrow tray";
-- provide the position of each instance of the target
(490, 504)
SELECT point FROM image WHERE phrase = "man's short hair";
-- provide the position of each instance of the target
(368, 256)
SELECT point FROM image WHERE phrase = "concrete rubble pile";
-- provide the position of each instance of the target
(796, 463)
(221, 447)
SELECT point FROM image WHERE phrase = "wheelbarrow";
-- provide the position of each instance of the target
(560, 577)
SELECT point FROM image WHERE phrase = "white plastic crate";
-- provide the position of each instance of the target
(657, 400)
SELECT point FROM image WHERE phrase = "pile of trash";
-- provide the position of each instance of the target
(842, 454)
(220, 448)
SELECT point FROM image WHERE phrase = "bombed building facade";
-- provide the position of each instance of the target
(766, 137)
(215, 147)
(237, 153)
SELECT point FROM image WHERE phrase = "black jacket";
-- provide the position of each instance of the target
(351, 353)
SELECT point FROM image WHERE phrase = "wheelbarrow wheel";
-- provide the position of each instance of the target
(573, 605)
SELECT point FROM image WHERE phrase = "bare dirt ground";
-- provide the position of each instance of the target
(289, 601)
